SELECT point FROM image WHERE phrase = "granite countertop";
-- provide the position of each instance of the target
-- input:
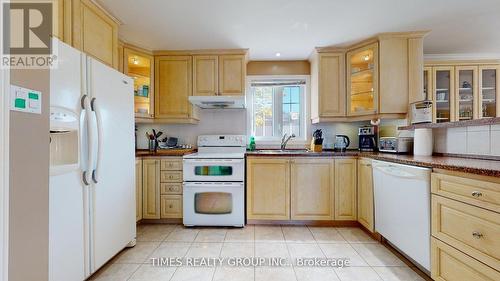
(460, 164)
(164, 152)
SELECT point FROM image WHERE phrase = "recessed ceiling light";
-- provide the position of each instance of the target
(278, 54)
(366, 58)
(135, 61)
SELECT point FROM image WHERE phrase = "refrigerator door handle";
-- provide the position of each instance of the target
(86, 175)
(97, 111)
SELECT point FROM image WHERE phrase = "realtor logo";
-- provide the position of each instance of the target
(27, 30)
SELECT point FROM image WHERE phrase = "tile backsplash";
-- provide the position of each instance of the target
(474, 140)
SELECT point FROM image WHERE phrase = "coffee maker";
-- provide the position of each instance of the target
(367, 138)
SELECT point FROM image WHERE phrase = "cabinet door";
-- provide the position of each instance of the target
(173, 87)
(312, 189)
(365, 194)
(466, 92)
(94, 32)
(232, 74)
(140, 67)
(443, 96)
(268, 188)
(205, 75)
(489, 93)
(345, 189)
(331, 85)
(138, 189)
(151, 188)
(428, 83)
(362, 80)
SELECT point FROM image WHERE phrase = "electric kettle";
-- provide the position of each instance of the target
(341, 142)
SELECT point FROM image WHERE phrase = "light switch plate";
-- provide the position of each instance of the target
(25, 100)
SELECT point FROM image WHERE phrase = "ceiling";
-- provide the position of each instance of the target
(294, 27)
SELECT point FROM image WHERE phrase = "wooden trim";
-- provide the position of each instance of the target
(200, 52)
(161, 221)
(337, 223)
(359, 118)
(137, 49)
(459, 62)
(291, 67)
(111, 16)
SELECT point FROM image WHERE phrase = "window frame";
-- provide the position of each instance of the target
(305, 125)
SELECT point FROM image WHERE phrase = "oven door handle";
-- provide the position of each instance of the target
(224, 161)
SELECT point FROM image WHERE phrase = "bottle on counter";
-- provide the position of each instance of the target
(251, 144)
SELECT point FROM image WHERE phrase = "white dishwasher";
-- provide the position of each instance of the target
(402, 208)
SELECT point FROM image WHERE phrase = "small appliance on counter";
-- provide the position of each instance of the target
(341, 143)
(367, 138)
(421, 112)
(317, 141)
(395, 144)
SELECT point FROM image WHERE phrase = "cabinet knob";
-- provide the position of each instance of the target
(170, 188)
(477, 194)
(477, 235)
(170, 206)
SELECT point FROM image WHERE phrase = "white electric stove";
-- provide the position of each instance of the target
(214, 182)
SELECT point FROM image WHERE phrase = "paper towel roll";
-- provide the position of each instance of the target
(423, 142)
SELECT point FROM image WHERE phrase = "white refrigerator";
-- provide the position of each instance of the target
(92, 165)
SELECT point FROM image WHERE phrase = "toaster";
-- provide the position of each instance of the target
(396, 144)
(421, 112)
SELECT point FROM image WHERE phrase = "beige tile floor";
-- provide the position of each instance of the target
(369, 259)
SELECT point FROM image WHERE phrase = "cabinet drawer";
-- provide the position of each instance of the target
(485, 194)
(171, 176)
(171, 188)
(470, 229)
(171, 164)
(449, 264)
(171, 206)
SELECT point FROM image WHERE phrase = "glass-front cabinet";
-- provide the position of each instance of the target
(443, 94)
(362, 80)
(489, 79)
(466, 90)
(139, 66)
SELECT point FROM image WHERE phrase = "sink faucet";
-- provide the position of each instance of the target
(285, 140)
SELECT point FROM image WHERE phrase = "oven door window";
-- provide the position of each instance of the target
(213, 170)
(213, 203)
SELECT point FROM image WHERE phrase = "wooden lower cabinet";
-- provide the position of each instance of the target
(345, 189)
(365, 194)
(171, 206)
(268, 188)
(138, 189)
(312, 189)
(449, 264)
(151, 188)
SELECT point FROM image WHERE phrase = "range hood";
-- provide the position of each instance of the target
(218, 102)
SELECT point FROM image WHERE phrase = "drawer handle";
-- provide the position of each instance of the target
(477, 235)
(477, 194)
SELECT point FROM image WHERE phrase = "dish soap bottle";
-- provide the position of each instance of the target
(251, 144)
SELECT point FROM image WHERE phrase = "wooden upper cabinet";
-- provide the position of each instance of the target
(205, 75)
(173, 84)
(140, 66)
(312, 189)
(232, 75)
(327, 86)
(345, 189)
(365, 194)
(94, 32)
(268, 188)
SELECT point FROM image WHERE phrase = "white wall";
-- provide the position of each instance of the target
(476, 140)
(212, 121)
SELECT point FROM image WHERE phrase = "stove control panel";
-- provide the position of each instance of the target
(222, 140)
